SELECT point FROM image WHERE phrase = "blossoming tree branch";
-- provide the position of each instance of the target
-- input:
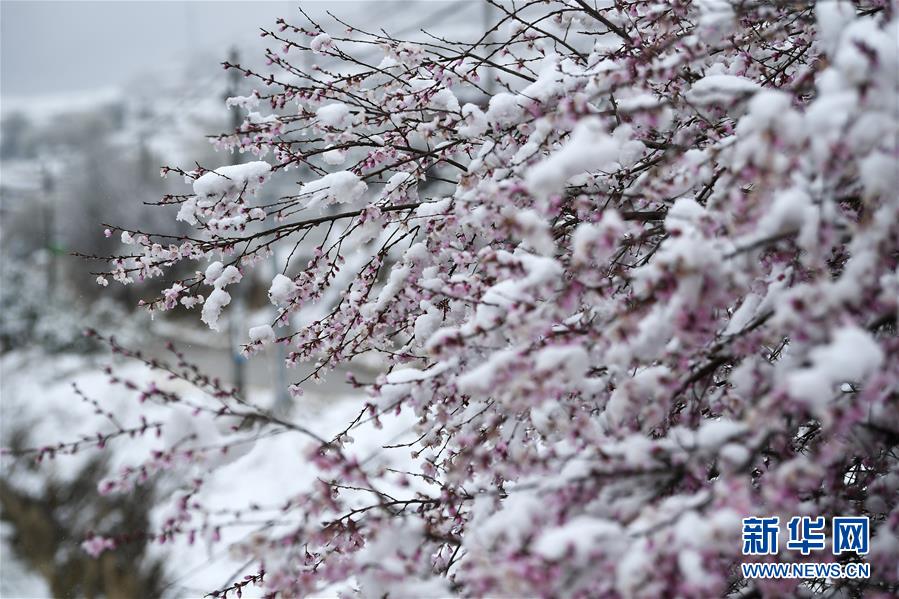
(629, 268)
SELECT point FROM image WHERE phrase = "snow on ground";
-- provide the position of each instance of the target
(37, 395)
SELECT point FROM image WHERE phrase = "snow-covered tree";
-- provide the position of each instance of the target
(629, 269)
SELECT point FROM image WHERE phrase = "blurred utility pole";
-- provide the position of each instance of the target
(48, 201)
(236, 324)
(489, 16)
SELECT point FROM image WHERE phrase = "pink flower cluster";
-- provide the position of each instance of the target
(630, 268)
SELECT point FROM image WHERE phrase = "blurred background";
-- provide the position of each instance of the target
(94, 98)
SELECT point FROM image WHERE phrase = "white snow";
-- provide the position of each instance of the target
(188, 211)
(503, 110)
(852, 355)
(645, 387)
(475, 122)
(258, 465)
(715, 433)
(321, 43)
(533, 229)
(336, 116)
(743, 315)
(213, 272)
(281, 290)
(435, 208)
(263, 334)
(580, 534)
(394, 285)
(212, 308)
(251, 101)
(230, 275)
(334, 157)
(721, 88)
(442, 98)
(570, 361)
(595, 242)
(399, 180)
(716, 20)
(833, 17)
(388, 62)
(589, 148)
(550, 80)
(480, 378)
(227, 178)
(879, 174)
(792, 210)
(335, 188)
(428, 322)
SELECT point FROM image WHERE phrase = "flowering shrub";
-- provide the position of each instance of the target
(630, 266)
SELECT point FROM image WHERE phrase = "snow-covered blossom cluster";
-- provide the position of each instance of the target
(631, 267)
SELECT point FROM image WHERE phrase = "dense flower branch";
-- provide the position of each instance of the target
(646, 289)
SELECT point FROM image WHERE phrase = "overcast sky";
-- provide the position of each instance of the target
(52, 47)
